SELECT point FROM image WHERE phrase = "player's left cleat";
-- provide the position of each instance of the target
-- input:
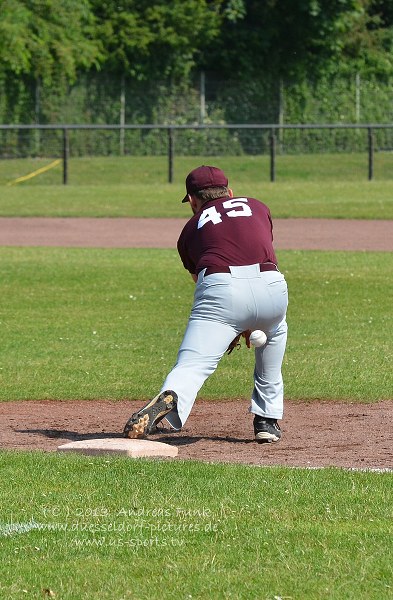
(144, 422)
(266, 430)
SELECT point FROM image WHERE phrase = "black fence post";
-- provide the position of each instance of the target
(272, 156)
(370, 154)
(66, 150)
(170, 154)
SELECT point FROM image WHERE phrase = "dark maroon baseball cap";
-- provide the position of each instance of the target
(204, 177)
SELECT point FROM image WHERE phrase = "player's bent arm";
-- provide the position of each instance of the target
(194, 277)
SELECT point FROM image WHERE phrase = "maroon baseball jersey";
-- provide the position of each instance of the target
(227, 232)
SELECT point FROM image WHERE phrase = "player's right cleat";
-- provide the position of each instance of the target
(266, 430)
(145, 420)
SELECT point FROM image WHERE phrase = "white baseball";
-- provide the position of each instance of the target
(258, 338)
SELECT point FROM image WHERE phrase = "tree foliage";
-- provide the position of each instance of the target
(167, 39)
(368, 46)
(155, 39)
(45, 38)
(302, 39)
(257, 43)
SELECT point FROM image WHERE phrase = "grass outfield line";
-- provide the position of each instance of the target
(138, 187)
(99, 528)
(153, 170)
(91, 323)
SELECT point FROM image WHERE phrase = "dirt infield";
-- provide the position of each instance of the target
(315, 434)
(289, 234)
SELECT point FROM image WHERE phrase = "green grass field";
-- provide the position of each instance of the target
(83, 528)
(88, 323)
(333, 187)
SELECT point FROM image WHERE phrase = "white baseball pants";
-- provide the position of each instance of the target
(225, 304)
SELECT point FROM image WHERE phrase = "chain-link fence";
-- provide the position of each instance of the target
(98, 98)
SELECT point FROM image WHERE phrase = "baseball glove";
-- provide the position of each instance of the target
(235, 343)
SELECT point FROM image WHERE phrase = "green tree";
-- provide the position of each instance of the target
(284, 39)
(368, 46)
(150, 39)
(46, 39)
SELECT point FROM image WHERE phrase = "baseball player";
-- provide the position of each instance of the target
(227, 246)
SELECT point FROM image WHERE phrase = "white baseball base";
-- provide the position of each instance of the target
(132, 448)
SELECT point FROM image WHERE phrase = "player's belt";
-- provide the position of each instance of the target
(268, 266)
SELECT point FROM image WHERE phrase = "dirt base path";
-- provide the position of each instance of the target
(289, 234)
(315, 434)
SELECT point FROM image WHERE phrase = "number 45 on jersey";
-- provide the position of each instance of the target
(235, 207)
